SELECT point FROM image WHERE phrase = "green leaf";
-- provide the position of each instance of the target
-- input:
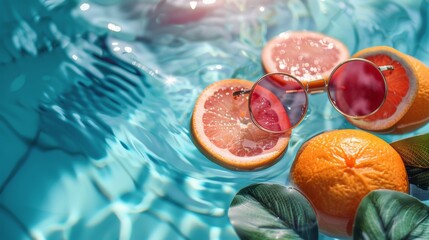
(386, 214)
(414, 150)
(418, 177)
(272, 211)
(415, 154)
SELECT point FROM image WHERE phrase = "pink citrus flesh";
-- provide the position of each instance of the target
(306, 55)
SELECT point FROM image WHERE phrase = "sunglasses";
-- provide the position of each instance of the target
(278, 102)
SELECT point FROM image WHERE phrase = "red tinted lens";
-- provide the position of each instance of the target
(357, 88)
(278, 102)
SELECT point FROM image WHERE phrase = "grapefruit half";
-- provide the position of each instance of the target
(418, 114)
(407, 100)
(306, 55)
(222, 129)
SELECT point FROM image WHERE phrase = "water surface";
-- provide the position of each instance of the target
(96, 98)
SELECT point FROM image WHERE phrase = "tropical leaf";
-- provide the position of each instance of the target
(419, 177)
(415, 154)
(386, 214)
(414, 150)
(272, 211)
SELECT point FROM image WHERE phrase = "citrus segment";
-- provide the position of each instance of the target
(222, 128)
(336, 169)
(404, 108)
(304, 54)
(268, 111)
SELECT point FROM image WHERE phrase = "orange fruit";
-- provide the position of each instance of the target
(306, 55)
(222, 129)
(406, 106)
(336, 169)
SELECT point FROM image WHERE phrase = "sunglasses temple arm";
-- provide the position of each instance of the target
(241, 92)
(386, 67)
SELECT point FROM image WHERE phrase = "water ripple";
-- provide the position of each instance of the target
(97, 97)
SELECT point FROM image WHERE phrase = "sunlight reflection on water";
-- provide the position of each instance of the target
(98, 146)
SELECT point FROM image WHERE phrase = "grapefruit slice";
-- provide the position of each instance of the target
(222, 129)
(406, 104)
(306, 55)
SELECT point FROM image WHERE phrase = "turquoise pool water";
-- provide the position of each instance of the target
(96, 98)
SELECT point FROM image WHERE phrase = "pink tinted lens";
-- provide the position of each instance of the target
(278, 102)
(357, 88)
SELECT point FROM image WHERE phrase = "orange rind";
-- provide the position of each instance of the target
(336, 169)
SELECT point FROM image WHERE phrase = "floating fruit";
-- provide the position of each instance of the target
(304, 54)
(222, 128)
(406, 105)
(336, 169)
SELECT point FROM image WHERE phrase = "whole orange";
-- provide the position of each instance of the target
(336, 169)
